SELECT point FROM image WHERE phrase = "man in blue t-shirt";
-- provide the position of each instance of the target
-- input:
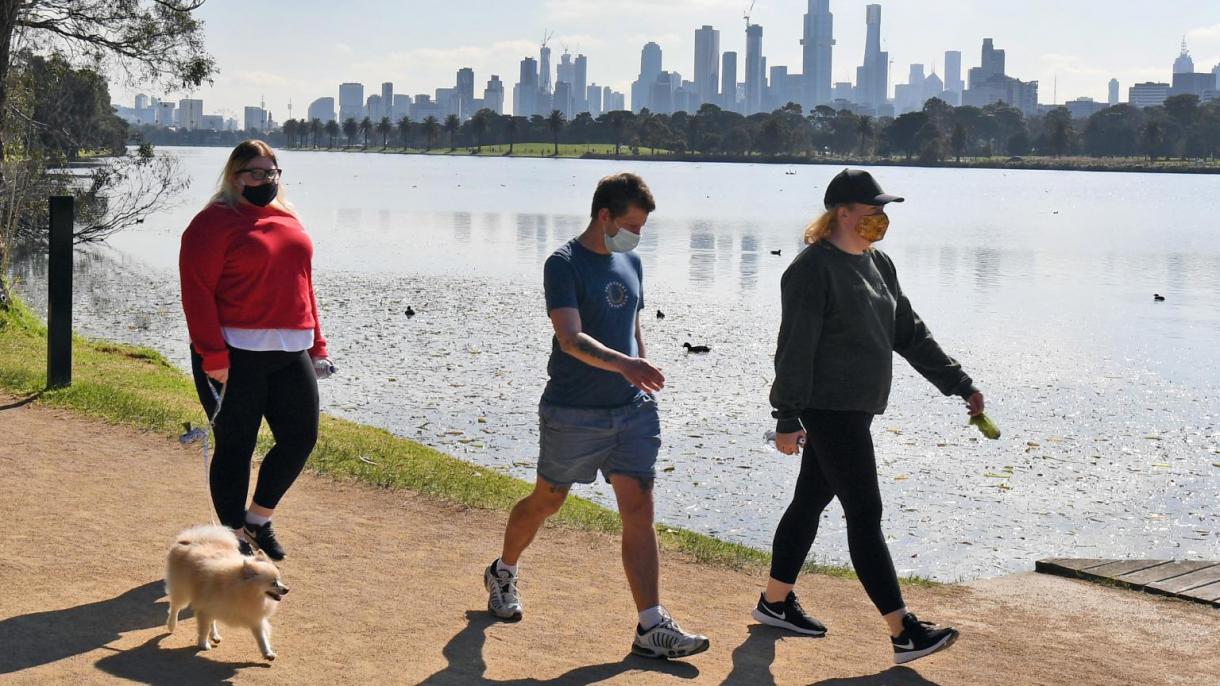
(598, 412)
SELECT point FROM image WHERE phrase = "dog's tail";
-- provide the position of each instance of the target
(205, 534)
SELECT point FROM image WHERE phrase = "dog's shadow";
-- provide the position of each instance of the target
(152, 664)
(464, 652)
(43, 637)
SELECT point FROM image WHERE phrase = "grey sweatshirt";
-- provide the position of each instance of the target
(844, 316)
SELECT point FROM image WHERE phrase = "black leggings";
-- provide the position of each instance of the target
(280, 386)
(838, 461)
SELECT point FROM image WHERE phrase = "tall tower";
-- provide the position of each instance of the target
(728, 82)
(873, 77)
(707, 63)
(1184, 64)
(650, 68)
(1113, 100)
(818, 47)
(756, 73)
(544, 66)
(580, 84)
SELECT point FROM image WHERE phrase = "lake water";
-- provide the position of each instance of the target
(1040, 283)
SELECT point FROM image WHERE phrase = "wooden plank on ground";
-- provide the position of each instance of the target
(1163, 572)
(1113, 570)
(1209, 593)
(1186, 582)
(1069, 566)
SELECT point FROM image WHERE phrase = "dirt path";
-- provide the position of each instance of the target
(387, 589)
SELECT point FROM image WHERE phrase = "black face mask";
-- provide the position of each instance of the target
(261, 195)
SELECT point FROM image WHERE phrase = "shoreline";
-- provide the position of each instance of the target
(572, 151)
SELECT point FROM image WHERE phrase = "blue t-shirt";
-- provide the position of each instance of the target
(608, 290)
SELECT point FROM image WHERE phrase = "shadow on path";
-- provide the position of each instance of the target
(152, 664)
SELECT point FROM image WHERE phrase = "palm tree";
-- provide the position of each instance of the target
(366, 127)
(350, 129)
(385, 128)
(404, 131)
(315, 127)
(959, 141)
(511, 125)
(452, 124)
(555, 123)
(865, 129)
(431, 128)
(290, 132)
(332, 130)
(479, 124)
(617, 123)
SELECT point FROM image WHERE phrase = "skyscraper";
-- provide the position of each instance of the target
(707, 63)
(566, 71)
(493, 95)
(387, 99)
(525, 93)
(818, 47)
(1184, 64)
(1113, 99)
(650, 67)
(322, 109)
(728, 82)
(953, 77)
(465, 90)
(593, 100)
(756, 74)
(544, 70)
(992, 64)
(580, 84)
(351, 101)
(873, 77)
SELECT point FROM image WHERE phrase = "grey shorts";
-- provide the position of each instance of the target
(574, 443)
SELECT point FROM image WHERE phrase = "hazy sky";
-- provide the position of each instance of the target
(302, 50)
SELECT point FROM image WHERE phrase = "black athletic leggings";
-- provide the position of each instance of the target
(280, 386)
(838, 461)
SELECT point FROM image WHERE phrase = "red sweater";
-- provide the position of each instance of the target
(248, 268)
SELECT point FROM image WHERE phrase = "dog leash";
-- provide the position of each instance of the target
(194, 434)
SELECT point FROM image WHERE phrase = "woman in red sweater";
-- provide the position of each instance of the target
(256, 343)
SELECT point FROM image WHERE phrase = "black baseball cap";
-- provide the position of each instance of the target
(857, 185)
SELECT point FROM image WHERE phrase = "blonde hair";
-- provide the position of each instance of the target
(227, 191)
(821, 228)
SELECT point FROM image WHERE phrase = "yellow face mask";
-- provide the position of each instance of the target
(872, 227)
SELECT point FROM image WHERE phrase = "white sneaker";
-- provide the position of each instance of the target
(667, 640)
(503, 600)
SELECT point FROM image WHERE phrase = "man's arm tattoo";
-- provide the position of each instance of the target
(586, 346)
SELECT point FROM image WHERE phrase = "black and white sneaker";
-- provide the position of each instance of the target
(788, 614)
(503, 599)
(667, 640)
(919, 639)
(263, 538)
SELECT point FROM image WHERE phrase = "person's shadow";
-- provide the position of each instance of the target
(42, 637)
(752, 662)
(464, 652)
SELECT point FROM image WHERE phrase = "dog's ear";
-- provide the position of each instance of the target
(247, 570)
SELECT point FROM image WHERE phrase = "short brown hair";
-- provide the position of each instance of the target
(620, 192)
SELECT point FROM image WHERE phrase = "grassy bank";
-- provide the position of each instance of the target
(566, 150)
(138, 387)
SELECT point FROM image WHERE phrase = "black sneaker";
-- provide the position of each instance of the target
(263, 538)
(788, 614)
(919, 639)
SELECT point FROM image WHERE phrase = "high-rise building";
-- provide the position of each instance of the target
(525, 93)
(387, 99)
(493, 95)
(1216, 73)
(351, 101)
(909, 96)
(873, 77)
(544, 70)
(953, 77)
(593, 100)
(373, 109)
(1184, 64)
(580, 84)
(707, 64)
(728, 82)
(992, 64)
(256, 119)
(650, 67)
(322, 109)
(613, 101)
(464, 85)
(566, 70)
(756, 69)
(141, 102)
(661, 95)
(164, 114)
(190, 114)
(402, 106)
(777, 89)
(1148, 94)
(818, 49)
(1113, 99)
(990, 84)
(562, 99)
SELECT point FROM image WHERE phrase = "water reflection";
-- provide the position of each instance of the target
(748, 265)
(702, 254)
(461, 227)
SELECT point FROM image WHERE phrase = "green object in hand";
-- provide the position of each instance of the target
(985, 425)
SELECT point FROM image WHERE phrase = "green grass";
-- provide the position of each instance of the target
(566, 150)
(138, 387)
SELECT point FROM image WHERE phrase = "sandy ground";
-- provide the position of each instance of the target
(386, 588)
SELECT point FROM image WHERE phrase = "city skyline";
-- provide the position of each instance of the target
(783, 23)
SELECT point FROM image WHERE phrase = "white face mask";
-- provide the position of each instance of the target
(623, 241)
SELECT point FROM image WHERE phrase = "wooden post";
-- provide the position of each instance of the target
(59, 296)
